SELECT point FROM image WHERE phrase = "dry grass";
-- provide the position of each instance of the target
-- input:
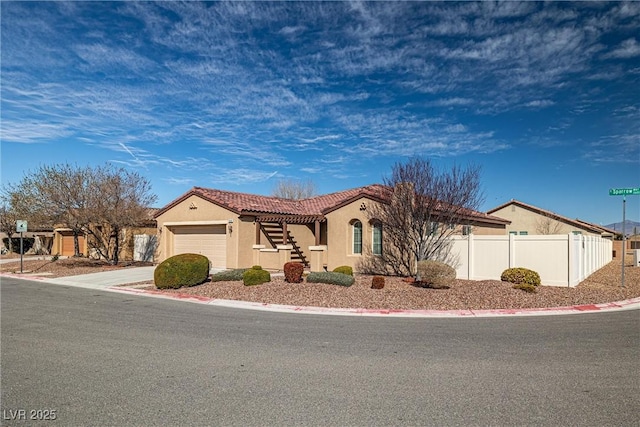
(601, 287)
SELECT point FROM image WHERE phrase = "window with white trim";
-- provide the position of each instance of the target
(377, 238)
(356, 234)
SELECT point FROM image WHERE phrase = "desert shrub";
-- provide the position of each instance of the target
(344, 269)
(228, 275)
(526, 287)
(293, 272)
(181, 270)
(256, 267)
(377, 282)
(256, 276)
(331, 278)
(435, 274)
(520, 275)
(55, 257)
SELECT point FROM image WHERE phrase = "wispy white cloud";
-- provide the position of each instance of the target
(629, 48)
(540, 103)
(273, 85)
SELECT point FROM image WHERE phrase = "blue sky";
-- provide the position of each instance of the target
(543, 96)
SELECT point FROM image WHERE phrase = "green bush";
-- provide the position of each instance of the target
(228, 275)
(435, 273)
(377, 282)
(526, 287)
(181, 270)
(293, 272)
(256, 277)
(520, 275)
(331, 278)
(344, 269)
(256, 267)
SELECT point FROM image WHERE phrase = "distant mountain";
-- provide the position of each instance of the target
(630, 227)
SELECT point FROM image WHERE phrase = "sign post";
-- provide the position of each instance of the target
(624, 192)
(21, 227)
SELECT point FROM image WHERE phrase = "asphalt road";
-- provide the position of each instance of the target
(99, 358)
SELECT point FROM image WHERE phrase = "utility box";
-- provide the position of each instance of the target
(636, 257)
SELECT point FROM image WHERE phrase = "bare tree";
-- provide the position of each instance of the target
(98, 201)
(547, 225)
(424, 207)
(294, 190)
(120, 199)
(54, 194)
(8, 218)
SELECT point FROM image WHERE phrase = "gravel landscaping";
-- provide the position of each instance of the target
(601, 287)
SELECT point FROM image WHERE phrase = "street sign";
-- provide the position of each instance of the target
(624, 192)
(21, 226)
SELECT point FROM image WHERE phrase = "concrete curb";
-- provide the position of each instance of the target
(632, 304)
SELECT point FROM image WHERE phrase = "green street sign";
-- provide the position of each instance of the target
(624, 192)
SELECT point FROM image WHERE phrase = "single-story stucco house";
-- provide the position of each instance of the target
(63, 238)
(528, 219)
(238, 230)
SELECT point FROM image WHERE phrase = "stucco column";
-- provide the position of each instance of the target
(284, 254)
(317, 232)
(317, 257)
(256, 254)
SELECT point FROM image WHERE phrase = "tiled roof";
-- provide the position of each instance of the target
(244, 202)
(329, 202)
(313, 207)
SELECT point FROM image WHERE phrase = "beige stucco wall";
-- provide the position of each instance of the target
(339, 235)
(197, 211)
(523, 219)
(489, 230)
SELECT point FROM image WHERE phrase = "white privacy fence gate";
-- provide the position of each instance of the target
(561, 260)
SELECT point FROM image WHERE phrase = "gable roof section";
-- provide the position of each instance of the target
(575, 222)
(269, 207)
(603, 230)
(333, 201)
(255, 204)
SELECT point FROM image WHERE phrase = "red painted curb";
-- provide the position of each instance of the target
(633, 303)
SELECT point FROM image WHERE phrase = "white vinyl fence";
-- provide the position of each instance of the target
(144, 247)
(561, 260)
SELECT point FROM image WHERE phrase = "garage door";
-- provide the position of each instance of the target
(68, 247)
(209, 240)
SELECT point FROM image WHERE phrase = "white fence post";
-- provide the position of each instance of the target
(470, 251)
(512, 250)
(561, 260)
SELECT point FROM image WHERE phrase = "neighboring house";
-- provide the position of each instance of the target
(528, 219)
(40, 241)
(63, 242)
(238, 230)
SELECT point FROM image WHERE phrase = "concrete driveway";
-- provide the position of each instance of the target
(106, 279)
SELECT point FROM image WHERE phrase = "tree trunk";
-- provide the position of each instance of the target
(10, 242)
(76, 244)
(116, 249)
